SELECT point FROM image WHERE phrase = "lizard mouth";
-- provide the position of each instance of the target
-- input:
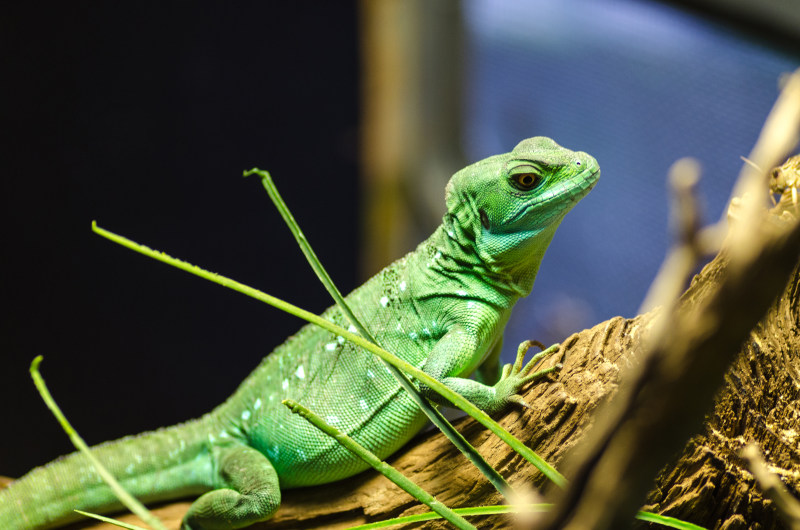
(590, 180)
(579, 186)
(583, 186)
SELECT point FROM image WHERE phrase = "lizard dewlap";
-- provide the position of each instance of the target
(442, 308)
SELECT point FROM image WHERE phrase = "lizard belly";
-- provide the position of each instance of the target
(348, 387)
(382, 421)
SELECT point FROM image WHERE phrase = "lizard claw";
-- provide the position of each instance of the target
(520, 373)
(526, 371)
(516, 398)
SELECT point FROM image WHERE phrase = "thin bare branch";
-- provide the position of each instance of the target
(771, 485)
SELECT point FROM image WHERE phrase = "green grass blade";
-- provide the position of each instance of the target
(109, 520)
(470, 511)
(433, 414)
(305, 247)
(670, 522)
(379, 465)
(481, 417)
(126, 498)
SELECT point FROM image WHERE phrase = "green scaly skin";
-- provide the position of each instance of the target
(442, 307)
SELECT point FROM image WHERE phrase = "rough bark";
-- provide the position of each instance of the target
(708, 485)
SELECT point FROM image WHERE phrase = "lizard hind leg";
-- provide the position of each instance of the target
(247, 492)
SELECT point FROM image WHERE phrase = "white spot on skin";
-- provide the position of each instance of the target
(384, 301)
(426, 331)
(370, 374)
(331, 346)
(403, 286)
(129, 469)
(363, 404)
(352, 329)
(340, 339)
(302, 455)
(224, 434)
(438, 255)
(413, 335)
(257, 404)
(246, 415)
(470, 305)
(285, 385)
(451, 234)
(461, 292)
(300, 373)
(211, 438)
(332, 419)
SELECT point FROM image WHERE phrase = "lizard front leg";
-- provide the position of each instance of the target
(490, 371)
(454, 353)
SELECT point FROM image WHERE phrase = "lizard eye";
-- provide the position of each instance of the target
(525, 181)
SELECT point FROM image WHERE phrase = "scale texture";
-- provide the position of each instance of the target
(442, 307)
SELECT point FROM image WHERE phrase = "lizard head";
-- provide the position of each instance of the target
(508, 206)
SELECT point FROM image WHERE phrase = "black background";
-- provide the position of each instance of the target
(143, 116)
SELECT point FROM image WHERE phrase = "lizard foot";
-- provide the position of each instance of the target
(516, 376)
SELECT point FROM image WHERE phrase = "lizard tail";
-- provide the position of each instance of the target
(159, 465)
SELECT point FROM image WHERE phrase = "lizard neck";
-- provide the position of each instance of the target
(452, 252)
(524, 273)
(449, 260)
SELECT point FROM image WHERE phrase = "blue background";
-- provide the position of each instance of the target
(638, 85)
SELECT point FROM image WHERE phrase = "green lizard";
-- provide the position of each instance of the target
(442, 307)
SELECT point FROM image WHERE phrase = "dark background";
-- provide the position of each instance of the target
(143, 116)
